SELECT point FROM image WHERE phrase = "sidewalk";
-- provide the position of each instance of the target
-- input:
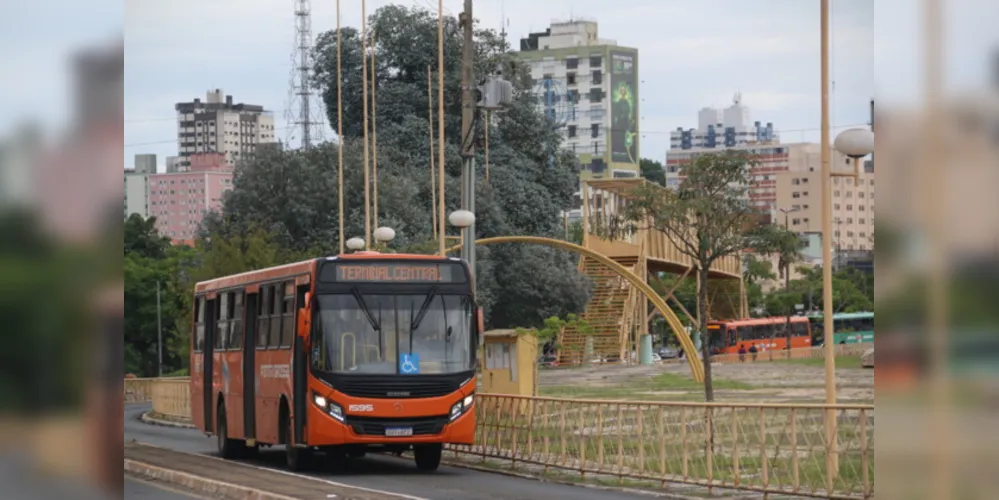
(227, 479)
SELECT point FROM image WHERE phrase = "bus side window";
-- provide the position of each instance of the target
(744, 333)
(732, 337)
(288, 315)
(199, 324)
(221, 326)
(236, 320)
(800, 329)
(263, 321)
(274, 310)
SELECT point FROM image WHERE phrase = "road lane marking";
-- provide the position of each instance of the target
(279, 471)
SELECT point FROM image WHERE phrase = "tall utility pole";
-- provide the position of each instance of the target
(159, 330)
(468, 107)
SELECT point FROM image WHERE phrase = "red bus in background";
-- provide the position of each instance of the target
(766, 334)
(341, 355)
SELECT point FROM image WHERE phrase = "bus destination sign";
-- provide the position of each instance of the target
(395, 272)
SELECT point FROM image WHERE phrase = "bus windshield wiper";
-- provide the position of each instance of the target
(423, 309)
(364, 307)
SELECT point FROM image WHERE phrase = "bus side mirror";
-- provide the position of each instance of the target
(305, 318)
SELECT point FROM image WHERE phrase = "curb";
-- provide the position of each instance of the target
(146, 418)
(543, 479)
(218, 489)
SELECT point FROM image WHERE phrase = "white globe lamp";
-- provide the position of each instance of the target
(355, 244)
(461, 218)
(384, 234)
(855, 142)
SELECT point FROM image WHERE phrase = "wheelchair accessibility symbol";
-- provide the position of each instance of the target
(409, 364)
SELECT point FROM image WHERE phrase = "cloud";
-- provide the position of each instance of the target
(691, 55)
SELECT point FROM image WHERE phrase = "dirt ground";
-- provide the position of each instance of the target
(777, 382)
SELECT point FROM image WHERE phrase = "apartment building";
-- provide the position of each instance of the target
(180, 200)
(217, 125)
(799, 191)
(137, 185)
(588, 87)
(723, 128)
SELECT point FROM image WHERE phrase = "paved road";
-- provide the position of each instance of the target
(143, 490)
(385, 473)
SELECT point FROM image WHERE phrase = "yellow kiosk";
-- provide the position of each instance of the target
(509, 363)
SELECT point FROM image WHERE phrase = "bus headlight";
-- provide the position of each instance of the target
(462, 406)
(332, 409)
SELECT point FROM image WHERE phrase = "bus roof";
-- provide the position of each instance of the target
(303, 267)
(760, 321)
(853, 315)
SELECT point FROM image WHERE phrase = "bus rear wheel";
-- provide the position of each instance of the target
(428, 456)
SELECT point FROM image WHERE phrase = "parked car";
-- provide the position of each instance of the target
(669, 353)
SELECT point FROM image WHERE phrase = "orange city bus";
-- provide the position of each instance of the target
(765, 333)
(343, 355)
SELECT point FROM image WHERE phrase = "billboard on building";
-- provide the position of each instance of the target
(624, 107)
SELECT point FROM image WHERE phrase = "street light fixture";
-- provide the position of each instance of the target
(384, 234)
(355, 244)
(461, 219)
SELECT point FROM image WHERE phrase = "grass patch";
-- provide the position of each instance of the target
(678, 388)
(841, 362)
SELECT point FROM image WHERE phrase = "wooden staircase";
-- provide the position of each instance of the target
(609, 316)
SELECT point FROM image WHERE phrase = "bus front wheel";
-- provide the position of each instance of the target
(228, 448)
(295, 457)
(428, 456)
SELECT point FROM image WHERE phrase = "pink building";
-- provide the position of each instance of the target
(179, 200)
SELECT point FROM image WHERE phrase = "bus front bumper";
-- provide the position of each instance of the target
(325, 428)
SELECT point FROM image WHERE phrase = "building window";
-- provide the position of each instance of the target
(598, 77)
(596, 61)
(795, 195)
(572, 63)
(595, 130)
(795, 221)
(795, 182)
(570, 79)
(596, 94)
(572, 131)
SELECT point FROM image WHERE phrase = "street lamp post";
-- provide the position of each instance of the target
(463, 219)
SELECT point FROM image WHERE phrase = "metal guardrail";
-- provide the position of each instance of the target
(767, 448)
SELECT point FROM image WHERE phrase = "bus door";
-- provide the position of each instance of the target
(207, 362)
(249, 366)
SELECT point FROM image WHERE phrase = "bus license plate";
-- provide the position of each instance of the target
(399, 431)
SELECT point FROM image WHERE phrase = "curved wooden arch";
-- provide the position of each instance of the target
(693, 360)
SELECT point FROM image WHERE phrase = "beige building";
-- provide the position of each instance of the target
(219, 126)
(799, 190)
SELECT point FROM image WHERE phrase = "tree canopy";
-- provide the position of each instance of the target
(292, 195)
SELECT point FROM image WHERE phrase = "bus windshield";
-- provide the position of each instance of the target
(375, 334)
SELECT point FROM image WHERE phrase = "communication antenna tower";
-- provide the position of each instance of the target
(304, 113)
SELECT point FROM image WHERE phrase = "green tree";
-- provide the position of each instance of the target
(786, 246)
(142, 238)
(708, 218)
(293, 194)
(652, 171)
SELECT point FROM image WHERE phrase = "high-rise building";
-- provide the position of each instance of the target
(723, 128)
(180, 200)
(219, 126)
(588, 86)
(137, 185)
(799, 190)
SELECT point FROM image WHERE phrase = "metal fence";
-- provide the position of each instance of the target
(767, 448)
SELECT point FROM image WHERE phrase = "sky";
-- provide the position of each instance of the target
(691, 55)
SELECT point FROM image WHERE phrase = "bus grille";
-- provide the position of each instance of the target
(396, 388)
(373, 426)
